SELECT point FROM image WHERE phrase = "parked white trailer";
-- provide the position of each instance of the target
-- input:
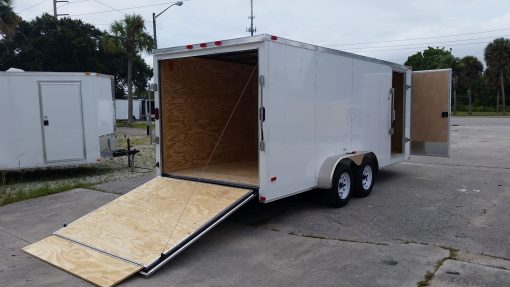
(139, 109)
(121, 109)
(54, 119)
(259, 117)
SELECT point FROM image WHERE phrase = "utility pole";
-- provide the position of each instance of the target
(55, 14)
(252, 29)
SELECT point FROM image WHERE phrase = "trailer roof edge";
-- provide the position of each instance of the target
(267, 37)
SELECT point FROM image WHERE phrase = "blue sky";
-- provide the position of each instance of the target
(378, 25)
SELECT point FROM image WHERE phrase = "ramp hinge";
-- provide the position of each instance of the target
(262, 80)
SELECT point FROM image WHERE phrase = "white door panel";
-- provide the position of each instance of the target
(290, 120)
(62, 121)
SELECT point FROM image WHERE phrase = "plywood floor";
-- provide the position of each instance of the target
(97, 268)
(246, 172)
(142, 224)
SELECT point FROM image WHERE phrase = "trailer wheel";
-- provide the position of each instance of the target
(365, 177)
(341, 189)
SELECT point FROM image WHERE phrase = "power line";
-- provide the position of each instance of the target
(30, 7)
(122, 9)
(421, 38)
(427, 43)
(97, 1)
(413, 48)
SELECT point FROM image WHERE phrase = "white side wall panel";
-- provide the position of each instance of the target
(290, 114)
(371, 109)
(333, 115)
(21, 144)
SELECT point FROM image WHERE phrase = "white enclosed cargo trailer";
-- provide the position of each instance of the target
(54, 119)
(139, 109)
(281, 116)
(259, 117)
(121, 109)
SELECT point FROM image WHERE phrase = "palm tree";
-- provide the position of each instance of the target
(492, 79)
(497, 57)
(128, 37)
(8, 19)
(470, 69)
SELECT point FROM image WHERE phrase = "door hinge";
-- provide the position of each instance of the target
(408, 87)
(262, 114)
(407, 139)
(391, 131)
(262, 80)
(262, 146)
(156, 140)
(154, 87)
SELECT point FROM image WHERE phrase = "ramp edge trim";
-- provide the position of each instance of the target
(98, 250)
(181, 246)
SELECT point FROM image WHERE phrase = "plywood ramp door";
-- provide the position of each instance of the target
(131, 232)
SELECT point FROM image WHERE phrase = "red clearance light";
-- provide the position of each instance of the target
(218, 43)
(274, 38)
(203, 45)
(274, 178)
(189, 47)
(262, 198)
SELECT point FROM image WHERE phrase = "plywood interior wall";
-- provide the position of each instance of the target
(430, 96)
(197, 98)
(398, 125)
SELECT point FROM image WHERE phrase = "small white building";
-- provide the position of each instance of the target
(54, 119)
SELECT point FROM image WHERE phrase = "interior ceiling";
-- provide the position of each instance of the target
(245, 57)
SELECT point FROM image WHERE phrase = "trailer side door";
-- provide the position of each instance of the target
(430, 112)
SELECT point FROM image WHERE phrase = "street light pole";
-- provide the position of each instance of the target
(155, 16)
(154, 30)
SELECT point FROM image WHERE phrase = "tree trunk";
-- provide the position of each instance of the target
(503, 93)
(454, 99)
(469, 99)
(497, 100)
(130, 89)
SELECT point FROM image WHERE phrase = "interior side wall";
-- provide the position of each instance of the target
(398, 124)
(197, 97)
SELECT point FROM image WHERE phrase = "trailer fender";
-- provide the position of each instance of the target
(327, 169)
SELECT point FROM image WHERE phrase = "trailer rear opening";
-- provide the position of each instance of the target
(198, 97)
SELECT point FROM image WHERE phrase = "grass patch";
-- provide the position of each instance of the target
(452, 254)
(41, 191)
(480, 114)
(135, 125)
(134, 140)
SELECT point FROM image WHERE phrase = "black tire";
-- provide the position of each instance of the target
(365, 176)
(339, 195)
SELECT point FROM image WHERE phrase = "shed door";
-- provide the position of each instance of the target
(430, 112)
(62, 121)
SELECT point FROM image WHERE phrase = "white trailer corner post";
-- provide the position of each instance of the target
(254, 117)
(54, 119)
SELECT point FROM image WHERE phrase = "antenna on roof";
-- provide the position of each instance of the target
(251, 29)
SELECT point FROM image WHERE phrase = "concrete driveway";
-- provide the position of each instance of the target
(441, 221)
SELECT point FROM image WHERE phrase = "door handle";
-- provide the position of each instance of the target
(444, 114)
